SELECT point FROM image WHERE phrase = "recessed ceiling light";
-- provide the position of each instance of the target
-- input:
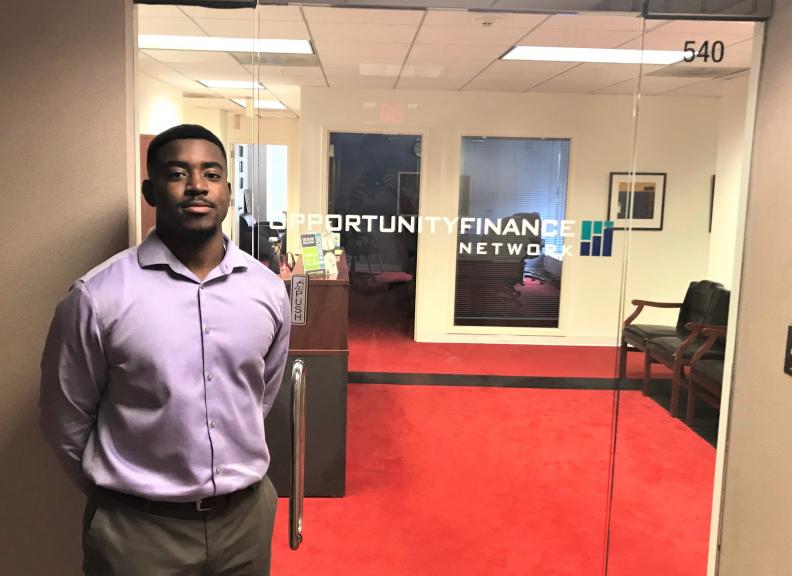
(216, 44)
(241, 84)
(602, 55)
(261, 104)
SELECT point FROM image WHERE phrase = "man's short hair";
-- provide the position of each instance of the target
(180, 132)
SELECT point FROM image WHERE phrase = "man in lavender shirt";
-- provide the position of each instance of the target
(159, 368)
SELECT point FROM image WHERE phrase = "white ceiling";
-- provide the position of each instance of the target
(432, 50)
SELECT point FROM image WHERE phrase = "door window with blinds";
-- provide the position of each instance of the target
(510, 252)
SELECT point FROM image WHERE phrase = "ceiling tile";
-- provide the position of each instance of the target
(650, 85)
(337, 60)
(270, 81)
(504, 37)
(286, 71)
(524, 22)
(579, 39)
(243, 29)
(355, 50)
(710, 28)
(627, 22)
(456, 52)
(222, 13)
(162, 72)
(349, 32)
(179, 26)
(361, 15)
(210, 71)
(446, 68)
(444, 83)
(516, 76)
(279, 14)
(338, 78)
(164, 11)
(589, 77)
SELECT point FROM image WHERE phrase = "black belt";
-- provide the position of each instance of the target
(195, 509)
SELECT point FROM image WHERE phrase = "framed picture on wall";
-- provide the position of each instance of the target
(648, 200)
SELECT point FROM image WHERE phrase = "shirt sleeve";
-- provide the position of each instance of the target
(275, 359)
(73, 378)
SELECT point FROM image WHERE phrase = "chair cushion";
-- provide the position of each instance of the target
(708, 374)
(711, 369)
(638, 334)
(665, 347)
(698, 302)
(718, 313)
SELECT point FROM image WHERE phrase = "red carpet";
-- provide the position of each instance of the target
(479, 481)
(381, 340)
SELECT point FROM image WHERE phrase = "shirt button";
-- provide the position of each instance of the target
(211, 424)
(218, 470)
(209, 377)
(201, 287)
(207, 330)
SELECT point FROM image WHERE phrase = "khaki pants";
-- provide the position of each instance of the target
(122, 540)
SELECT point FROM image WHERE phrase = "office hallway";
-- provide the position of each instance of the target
(477, 481)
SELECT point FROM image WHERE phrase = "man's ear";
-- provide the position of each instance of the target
(147, 190)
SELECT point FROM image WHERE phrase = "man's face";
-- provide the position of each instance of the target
(189, 188)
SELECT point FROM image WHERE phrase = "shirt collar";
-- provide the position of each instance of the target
(153, 251)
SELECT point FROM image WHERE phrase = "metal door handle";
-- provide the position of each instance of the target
(297, 491)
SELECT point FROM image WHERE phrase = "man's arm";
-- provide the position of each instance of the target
(73, 378)
(275, 359)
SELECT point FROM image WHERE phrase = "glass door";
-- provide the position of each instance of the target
(476, 199)
(679, 209)
(459, 160)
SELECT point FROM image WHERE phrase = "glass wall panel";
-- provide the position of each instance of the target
(678, 210)
(459, 420)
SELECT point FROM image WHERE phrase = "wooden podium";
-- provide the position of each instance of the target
(322, 344)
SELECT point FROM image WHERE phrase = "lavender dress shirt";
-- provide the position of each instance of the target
(156, 384)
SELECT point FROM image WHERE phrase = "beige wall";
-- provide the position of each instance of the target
(159, 105)
(600, 129)
(64, 211)
(727, 183)
(756, 527)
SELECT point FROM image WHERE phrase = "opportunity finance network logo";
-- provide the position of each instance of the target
(596, 238)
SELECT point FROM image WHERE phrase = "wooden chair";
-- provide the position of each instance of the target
(693, 308)
(676, 352)
(705, 376)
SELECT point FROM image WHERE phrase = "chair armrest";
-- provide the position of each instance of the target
(695, 331)
(639, 304)
(712, 333)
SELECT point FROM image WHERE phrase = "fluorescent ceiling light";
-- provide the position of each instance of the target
(603, 55)
(269, 105)
(216, 44)
(241, 84)
(261, 104)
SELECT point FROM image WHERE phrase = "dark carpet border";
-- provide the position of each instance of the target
(482, 380)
